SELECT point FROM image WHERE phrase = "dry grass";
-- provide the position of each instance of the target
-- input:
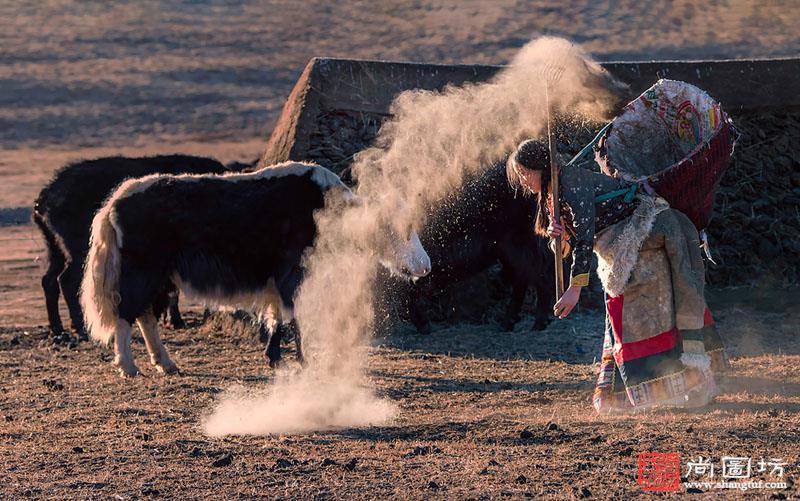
(70, 428)
(501, 414)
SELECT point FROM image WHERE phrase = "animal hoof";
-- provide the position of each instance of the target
(273, 354)
(507, 325)
(168, 368)
(275, 364)
(83, 336)
(177, 324)
(128, 372)
(61, 338)
(541, 325)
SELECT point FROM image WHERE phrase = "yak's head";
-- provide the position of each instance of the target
(395, 244)
(403, 254)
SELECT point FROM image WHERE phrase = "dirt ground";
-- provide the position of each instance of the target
(483, 414)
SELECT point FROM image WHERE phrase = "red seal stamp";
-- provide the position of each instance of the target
(659, 472)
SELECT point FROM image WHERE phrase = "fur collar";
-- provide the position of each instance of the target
(617, 247)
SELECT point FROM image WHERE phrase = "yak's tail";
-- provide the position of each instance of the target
(100, 288)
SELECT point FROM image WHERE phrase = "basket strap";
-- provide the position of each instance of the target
(586, 149)
(628, 193)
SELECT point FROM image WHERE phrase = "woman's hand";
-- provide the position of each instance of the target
(567, 302)
(557, 230)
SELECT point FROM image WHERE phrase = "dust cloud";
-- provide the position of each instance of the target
(295, 404)
(433, 141)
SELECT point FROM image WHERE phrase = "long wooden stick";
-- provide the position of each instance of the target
(554, 190)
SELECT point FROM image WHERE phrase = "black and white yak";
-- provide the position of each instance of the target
(480, 225)
(236, 239)
(63, 212)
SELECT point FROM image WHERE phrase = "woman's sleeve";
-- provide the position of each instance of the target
(580, 205)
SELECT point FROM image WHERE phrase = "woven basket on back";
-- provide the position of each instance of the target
(675, 139)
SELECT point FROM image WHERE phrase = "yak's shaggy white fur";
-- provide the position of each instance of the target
(100, 287)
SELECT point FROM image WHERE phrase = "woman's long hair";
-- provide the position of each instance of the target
(532, 155)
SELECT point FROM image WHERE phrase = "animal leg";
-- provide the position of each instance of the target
(417, 315)
(267, 323)
(70, 281)
(454, 312)
(148, 324)
(56, 261)
(544, 307)
(263, 333)
(165, 306)
(273, 349)
(174, 318)
(123, 357)
(142, 293)
(286, 289)
(298, 343)
(514, 306)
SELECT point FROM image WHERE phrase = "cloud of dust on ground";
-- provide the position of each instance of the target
(433, 141)
(296, 403)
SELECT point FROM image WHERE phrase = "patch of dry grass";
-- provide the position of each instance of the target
(486, 425)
